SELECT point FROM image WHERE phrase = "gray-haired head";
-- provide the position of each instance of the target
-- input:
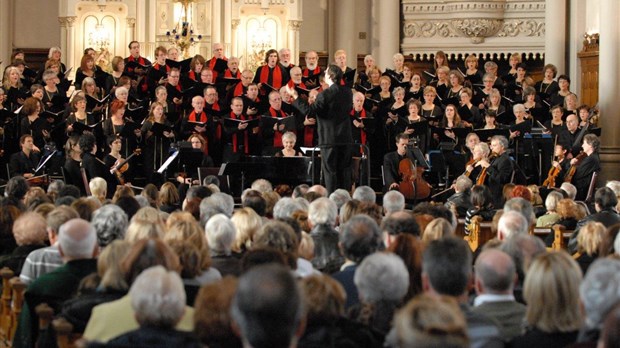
(359, 237)
(110, 222)
(285, 207)
(340, 197)
(221, 234)
(393, 201)
(77, 239)
(600, 291)
(365, 194)
(570, 189)
(522, 206)
(323, 211)
(158, 298)
(495, 271)
(222, 200)
(510, 223)
(382, 277)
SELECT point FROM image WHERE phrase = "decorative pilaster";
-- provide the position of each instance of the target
(387, 40)
(130, 32)
(67, 40)
(609, 90)
(234, 24)
(5, 33)
(555, 34)
(293, 39)
(344, 30)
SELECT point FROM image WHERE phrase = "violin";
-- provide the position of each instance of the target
(551, 176)
(123, 166)
(471, 162)
(573, 167)
(483, 173)
(412, 185)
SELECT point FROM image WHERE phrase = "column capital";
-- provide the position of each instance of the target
(294, 25)
(131, 22)
(67, 21)
(234, 24)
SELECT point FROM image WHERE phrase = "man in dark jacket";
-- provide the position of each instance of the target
(605, 202)
(332, 108)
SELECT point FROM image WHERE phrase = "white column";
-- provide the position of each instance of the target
(151, 33)
(555, 33)
(234, 48)
(293, 40)
(387, 40)
(344, 30)
(5, 33)
(71, 59)
(227, 37)
(130, 34)
(216, 21)
(609, 75)
(140, 29)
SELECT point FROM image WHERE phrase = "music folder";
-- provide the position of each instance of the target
(234, 123)
(522, 128)
(128, 129)
(79, 127)
(486, 134)
(419, 128)
(368, 91)
(458, 133)
(158, 129)
(183, 65)
(289, 122)
(92, 102)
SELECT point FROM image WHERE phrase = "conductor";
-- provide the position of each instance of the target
(332, 108)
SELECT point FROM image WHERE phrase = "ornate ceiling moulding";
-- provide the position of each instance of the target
(476, 20)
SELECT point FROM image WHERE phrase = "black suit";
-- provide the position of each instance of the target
(332, 108)
(499, 173)
(22, 164)
(95, 167)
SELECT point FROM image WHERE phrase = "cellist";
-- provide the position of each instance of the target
(391, 161)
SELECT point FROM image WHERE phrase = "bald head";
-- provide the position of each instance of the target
(77, 239)
(495, 272)
(572, 122)
(318, 189)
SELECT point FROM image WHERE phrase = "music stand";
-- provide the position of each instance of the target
(239, 169)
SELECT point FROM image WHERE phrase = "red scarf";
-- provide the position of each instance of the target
(245, 135)
(362, 116)
(192, 75)
(292, 84)
(229, 74)
(276, 77)
(218, 128)
(239, 90)
(202, 119)
(277, 135)
(306, 72)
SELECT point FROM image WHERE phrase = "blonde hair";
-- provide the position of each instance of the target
(247, 222)
(141, 229)
(306, 246)
(189, 231)
(551, 290)
(108, 265)
(437, 229)
(98, 187)
(590, 237)
(30, 229)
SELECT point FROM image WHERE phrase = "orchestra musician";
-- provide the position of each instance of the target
(569, 134)
(586, 166)
(473, 168)
(272, 73)
(72, 164)
(391, 162)
(560, 162)
(499, 170)
(25, 161)
(95, 167)
(288, 140)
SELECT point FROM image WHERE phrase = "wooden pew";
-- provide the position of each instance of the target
(65, 338)
(560, 237)
(5, 304)
(480, 232)
(18, 288)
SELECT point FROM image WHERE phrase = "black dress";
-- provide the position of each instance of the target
(96, 168)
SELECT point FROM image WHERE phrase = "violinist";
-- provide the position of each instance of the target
(25, 161)
(559, 167)
(586, 164)
(114, 157)
(95, 167)
(392, 160)
(474, 167)
(471, 141)
(499, 170)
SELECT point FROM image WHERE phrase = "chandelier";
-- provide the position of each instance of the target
(182, 35)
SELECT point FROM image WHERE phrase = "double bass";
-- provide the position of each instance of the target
(412, 184)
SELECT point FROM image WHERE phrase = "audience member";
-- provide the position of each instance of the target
(110, 223)
(396, 223)
(30, 234)
(364, 194)
(221, 235)
(212, 318)
(322, 216)
(605, 202)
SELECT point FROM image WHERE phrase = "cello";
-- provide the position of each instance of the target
(412, 184)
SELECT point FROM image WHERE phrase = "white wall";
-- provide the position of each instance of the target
(35, 24)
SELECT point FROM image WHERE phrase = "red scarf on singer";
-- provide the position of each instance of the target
(202, 119)
(293, 85)
(277, 135)
(362, 116)
(245, 135)
(229, 74)
(239, 90)
(218, 128)
(306, 72)
(192, 75)
(276, 77)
